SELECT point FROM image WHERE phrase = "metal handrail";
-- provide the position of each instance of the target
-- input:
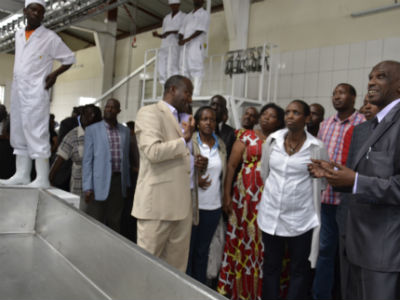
(124, 80)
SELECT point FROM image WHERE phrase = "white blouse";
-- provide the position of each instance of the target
(210, 198)
(287, 207)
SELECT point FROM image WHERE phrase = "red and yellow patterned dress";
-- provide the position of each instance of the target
(241, 271)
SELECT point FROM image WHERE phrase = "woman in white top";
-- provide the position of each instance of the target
(209, 191)
(289, 210)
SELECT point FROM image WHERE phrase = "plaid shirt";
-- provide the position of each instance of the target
(115, 147)
(332, 132)
(71, 147)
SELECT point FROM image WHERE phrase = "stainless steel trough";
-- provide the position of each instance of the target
(50, 250)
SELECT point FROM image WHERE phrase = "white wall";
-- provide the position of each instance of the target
(312, 74)
(82, 80)
(6, 67)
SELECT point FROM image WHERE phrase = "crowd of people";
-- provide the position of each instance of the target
(258, 212)
(265, 200)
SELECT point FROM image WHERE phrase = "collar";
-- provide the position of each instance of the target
(350, 118)
(281, 134)
(177, 14)
(171, 108)
(199, 10)
(216, 145)
(380, 115)
(37, 32)
(80, 131)
(109, 126)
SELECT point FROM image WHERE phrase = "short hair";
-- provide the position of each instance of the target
(279, 111)
(350, 88)
(96, 111)
(116, 101)
(219, 97)
(320, 107)
(175, 80)
(306, 107)
(199, 112)
(253, 108)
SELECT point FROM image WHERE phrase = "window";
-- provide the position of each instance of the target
(86, 100)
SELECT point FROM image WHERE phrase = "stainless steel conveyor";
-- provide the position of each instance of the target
(50, 250)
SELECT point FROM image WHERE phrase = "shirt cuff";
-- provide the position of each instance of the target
(355, 184)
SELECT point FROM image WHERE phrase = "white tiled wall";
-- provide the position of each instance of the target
(312, 74)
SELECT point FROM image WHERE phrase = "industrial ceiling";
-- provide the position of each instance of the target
(133, 16)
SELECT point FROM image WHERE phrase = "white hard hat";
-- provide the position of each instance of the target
(41, 2)
(174, 2)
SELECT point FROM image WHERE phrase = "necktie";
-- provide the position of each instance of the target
(374, 123)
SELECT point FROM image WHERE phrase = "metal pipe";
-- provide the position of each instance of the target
(221, 78)
(246, 84)
(169, 62)
(277, 61)
(261, 76)
(210, 73)
(269, 74)
(375, 10)
(144, 77)
(121, 82)
(155, 74)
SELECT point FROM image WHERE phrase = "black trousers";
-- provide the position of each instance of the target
(299, 274)
(109, 211)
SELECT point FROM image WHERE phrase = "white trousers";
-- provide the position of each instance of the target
(192, 58)
(168, 67)
(29, 119)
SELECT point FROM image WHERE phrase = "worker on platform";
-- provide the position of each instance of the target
(168, 55)
(36, 48)
(192, 38)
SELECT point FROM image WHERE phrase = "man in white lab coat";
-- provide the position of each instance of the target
(192, 38)
(36, 48)
(168, 55)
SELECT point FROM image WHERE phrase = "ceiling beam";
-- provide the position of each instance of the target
(147, 12)
(76, 36)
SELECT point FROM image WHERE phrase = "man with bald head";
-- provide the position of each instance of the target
(105, 167)
(372, 181)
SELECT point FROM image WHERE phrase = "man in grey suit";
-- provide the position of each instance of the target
(372, 179)
(105, 167)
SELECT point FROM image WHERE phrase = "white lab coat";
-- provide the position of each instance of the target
(192, 56)
(30, 106)
(169, 46)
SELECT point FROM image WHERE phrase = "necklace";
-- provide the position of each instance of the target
(292, 149)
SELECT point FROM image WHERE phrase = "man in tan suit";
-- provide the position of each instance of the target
(162, 202)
